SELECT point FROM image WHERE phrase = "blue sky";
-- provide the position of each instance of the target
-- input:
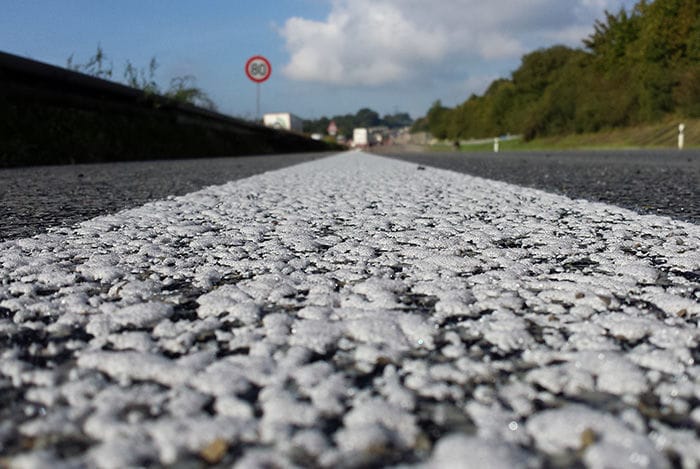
(328, 56)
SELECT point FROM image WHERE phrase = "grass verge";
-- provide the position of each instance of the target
(660, 135)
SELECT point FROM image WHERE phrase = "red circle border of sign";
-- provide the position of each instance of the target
(269, 69)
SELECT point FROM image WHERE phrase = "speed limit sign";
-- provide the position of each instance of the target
(258, 68)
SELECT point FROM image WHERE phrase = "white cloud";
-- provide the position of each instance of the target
(362, 42)
(496, 45)
(378, 42)
(571, 35)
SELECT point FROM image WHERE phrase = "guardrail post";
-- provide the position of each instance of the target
(681, 136)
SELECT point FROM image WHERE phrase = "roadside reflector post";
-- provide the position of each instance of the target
(495, 145)
(681, 136)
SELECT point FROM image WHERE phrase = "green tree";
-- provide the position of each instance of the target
(538, 69)
(420, 125)
(501, 95)
(637, 66)
(613, 37)
(366, 118)
(438, 120)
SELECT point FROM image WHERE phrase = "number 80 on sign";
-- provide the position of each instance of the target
(258, 68)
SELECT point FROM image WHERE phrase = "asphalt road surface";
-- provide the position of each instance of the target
(354, 311)
(35, 198)
(664, 182)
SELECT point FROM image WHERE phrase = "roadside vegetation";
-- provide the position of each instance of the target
(639, 68)
(658, 135)
(181, 89)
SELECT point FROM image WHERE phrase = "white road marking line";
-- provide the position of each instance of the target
(350, 311)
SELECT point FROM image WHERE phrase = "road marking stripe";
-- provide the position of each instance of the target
(354, 310)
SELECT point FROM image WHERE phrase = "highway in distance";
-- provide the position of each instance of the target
(356, 311)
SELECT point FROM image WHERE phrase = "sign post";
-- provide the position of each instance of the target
(258, 70)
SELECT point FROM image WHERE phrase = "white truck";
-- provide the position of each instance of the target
(283, 120)
(360, 138)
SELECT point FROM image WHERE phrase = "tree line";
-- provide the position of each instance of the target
(365, 117)
(638, 66)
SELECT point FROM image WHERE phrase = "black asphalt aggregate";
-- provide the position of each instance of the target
(353, 312)
(33, 199)
(661, 182)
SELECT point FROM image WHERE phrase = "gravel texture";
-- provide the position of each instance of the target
(349, 312)
(33, 199)
(663, 182)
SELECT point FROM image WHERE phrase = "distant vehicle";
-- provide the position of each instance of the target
(284, 121)
(360, 138)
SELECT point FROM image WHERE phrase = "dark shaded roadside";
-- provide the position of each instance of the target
(51, 116)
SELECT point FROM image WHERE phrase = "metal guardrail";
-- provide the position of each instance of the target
(51, 115)
(24, 79)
